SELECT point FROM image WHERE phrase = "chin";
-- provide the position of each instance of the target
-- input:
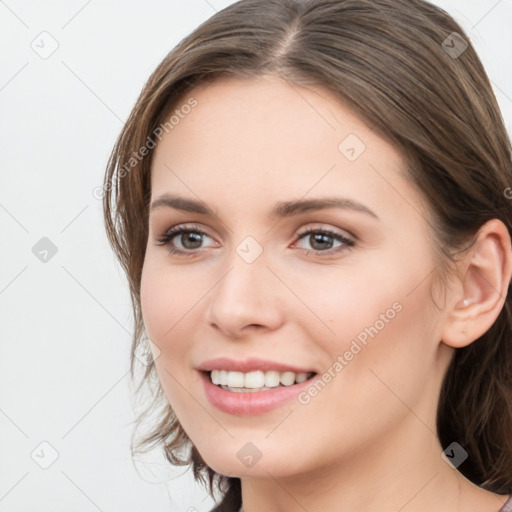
(237, 463)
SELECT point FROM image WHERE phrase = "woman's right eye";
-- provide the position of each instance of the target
(182, 240)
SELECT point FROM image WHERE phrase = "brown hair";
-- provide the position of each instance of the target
(398, 64)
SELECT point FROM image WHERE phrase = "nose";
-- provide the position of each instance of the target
(248, 297)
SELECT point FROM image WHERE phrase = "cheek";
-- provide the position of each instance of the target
(350, 302)
(388, 348)
(167, 296)
(167, 303)
(381, 358)
(379, 317)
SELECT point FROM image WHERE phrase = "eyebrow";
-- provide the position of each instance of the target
(280, 210)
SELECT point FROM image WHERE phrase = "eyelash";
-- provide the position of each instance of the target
(167, 237)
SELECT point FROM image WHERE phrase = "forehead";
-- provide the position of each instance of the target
(253, 112)
(267, 138)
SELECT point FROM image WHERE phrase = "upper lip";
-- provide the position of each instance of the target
(249, 365)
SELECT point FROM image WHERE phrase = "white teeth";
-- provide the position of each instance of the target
(252, 380)
(271, 379)
(256, 379)
(301, 377)
(287, 378)
(215, 377)
(235, 379)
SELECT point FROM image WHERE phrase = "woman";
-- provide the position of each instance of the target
(310, 202)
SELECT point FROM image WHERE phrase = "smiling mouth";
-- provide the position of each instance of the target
(252, 382)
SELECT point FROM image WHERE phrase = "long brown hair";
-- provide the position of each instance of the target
(410, 72)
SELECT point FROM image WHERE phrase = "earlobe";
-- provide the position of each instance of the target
(482, 288)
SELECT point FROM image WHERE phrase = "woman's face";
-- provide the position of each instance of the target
(343, 291)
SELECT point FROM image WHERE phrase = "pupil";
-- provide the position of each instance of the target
(322, 238)
(194, 238)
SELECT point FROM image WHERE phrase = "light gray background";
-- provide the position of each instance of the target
(65, 324)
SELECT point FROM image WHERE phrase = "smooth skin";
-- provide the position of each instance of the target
(367, 442)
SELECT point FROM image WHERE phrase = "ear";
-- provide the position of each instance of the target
(482, 285)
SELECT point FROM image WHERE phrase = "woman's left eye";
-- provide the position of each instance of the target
(184, 240)
(323, 240)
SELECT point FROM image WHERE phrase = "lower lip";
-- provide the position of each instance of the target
(248, 404)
